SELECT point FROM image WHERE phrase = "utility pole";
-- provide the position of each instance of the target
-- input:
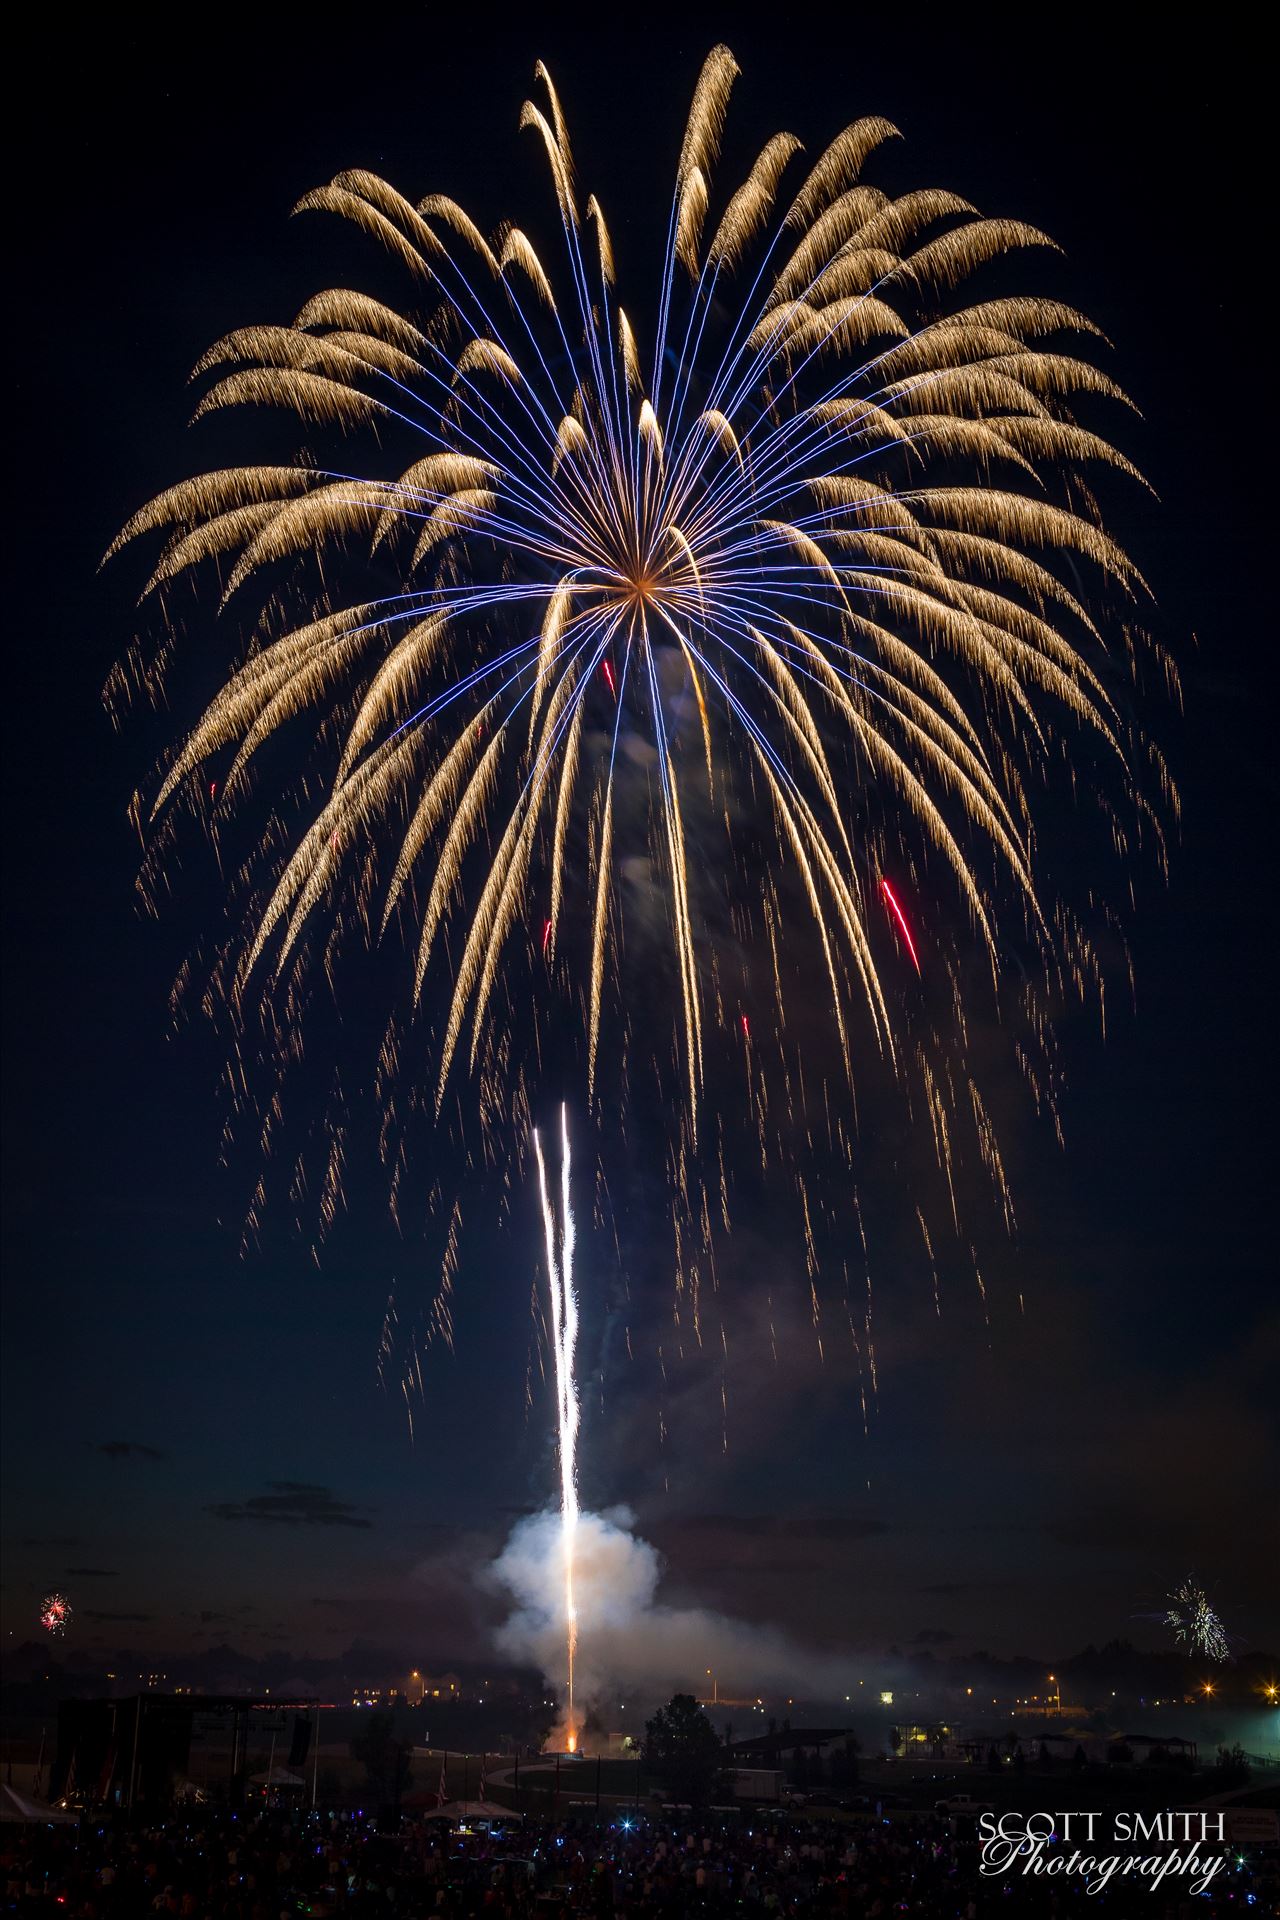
(315, 1758)
(137, 1742)
(235, 1752)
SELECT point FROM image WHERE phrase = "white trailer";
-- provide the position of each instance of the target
(756, 1783)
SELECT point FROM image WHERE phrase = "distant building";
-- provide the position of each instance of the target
(1154, 1746)
(417, 1688)
(921, 1740)
(772, 1749)
(444, 1686)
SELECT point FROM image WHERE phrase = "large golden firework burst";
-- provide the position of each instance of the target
(821, 564)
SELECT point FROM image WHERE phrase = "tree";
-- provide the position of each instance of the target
(680, 1744)
(386, 1760)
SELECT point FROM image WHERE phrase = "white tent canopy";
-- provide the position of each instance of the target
(20, 1806)
(470, 1810)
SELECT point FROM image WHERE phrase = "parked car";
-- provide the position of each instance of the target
(963, 1806)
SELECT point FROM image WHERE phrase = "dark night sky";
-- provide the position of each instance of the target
(1031, 1492)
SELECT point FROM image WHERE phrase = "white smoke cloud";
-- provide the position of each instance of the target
(627, 1638)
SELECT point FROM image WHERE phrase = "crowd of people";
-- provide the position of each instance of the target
(272, 1865)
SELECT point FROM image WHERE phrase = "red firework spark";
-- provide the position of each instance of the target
(900, 917)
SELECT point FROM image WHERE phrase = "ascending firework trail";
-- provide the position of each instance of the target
(564, 1340)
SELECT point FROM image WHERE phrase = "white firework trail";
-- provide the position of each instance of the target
(564, 1341)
